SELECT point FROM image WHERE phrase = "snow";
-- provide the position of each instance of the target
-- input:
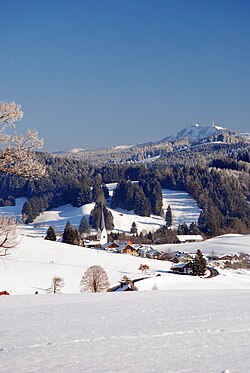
(173, 332)
(187, 324)
(189, 237)
(35, 261)
(225, 244)
(184, 209)
(196, 131)
(14, 210)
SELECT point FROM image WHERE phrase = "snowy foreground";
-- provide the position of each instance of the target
(169, 331)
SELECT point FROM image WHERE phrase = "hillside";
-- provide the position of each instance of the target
(184, 209)
(32, 265)
(195, 132)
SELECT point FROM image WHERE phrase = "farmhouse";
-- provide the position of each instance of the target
(127, 248)
(185, 238)
(110, 246)
(182, 268)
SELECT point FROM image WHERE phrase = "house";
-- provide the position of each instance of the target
(184, 257)
(142, 251)
(110, 246)
(148, 252)
(153, 254)
(126, 248)
(182, 268)
(185, 238)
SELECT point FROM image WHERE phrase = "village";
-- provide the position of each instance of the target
(182, 260)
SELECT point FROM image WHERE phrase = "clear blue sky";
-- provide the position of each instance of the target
(107, 72)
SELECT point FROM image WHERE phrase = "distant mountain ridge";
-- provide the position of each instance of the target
(196, 132)
(187, 138)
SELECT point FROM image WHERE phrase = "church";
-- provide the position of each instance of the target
(101, 238)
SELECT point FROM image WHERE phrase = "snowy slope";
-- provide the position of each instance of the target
(226, 244)
(171, 332)
(184, 209)
(196, 131)
(35, 261)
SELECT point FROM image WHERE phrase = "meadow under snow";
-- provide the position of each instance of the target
(192, 325)
(138, 332)
(184, 209)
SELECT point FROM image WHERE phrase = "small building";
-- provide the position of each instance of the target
(126, 248)
(142, 251)
(185, 238)
(148, 252)
(92, 243)
(110, 246)
(184, 257)
(182, 268)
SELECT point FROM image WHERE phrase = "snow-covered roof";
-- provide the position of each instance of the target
(136, 246)
(179, 265)
(145, 249)
(189, 237)
(122, 246)
(151, 252)
(91, 243)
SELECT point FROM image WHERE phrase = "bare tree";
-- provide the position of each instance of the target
(94, 280)
(17, 151)
(8, 234)
(56, 285)
(143, 268)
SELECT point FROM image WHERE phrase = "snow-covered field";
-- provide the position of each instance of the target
(139, 332)
(184, 209)
(193, 325)
(226, 244)
(32, 265)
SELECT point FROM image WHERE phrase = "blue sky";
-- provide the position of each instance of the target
(107, 72)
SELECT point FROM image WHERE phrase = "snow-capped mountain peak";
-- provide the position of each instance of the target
(196, 131)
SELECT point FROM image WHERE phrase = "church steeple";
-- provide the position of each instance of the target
(102, 226)
(103, 234)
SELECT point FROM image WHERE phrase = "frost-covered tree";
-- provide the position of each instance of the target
(56, 285)
(94, 280)
(17, 151)
(8, 234)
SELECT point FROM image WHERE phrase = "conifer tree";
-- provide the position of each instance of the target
(84, 226)
(168, 217)
(142, 203)
(70, 235)
(199, 264)
(133, 228)
(96, 217)
(105, 191)
(193, 228)
(51, 234)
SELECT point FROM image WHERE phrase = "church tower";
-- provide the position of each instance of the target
(102, 234)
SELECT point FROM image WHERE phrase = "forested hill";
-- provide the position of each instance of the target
(218, 181)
